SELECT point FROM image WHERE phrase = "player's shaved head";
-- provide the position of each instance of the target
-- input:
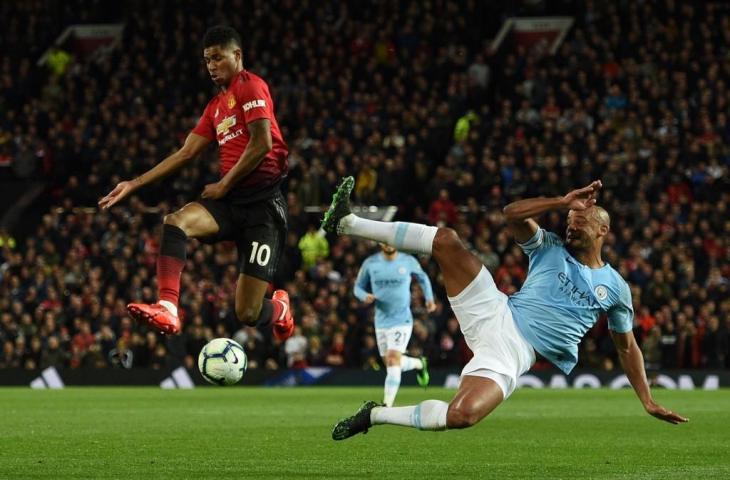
(595, 214)
(600, 215)
(223, 36)
(586, 227)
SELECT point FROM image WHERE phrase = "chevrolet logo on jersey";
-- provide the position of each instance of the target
(225, 125)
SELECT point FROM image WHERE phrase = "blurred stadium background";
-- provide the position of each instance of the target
(443, 110)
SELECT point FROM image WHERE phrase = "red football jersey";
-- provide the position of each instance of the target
(225, 119)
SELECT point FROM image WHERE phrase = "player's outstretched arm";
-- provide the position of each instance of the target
(519, 215)
(194, 144)
(633, 364)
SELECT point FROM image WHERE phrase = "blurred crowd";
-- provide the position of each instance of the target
(408, 97)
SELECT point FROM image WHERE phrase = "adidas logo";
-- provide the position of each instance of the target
(49, 379)
(305, 376)
(180, 378)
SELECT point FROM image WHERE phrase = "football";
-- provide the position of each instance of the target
(222, 362)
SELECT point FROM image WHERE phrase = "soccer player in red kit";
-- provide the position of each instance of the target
(245, 206)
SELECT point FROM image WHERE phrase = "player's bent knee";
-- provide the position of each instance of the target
(392, 358)
(174, 219)
(446, 240)
(461, 417)
(189, 221)
(180, 221)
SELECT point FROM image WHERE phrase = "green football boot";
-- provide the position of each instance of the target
(423, 376)
(340, 206)
(360, 422)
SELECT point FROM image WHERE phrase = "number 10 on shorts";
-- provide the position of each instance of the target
(259, 253)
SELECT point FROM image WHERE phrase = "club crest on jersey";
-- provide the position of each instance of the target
(601, 292)
(231, 101)
(402, 270)
(225, 125)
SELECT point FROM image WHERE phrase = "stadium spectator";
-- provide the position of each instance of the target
(336, 354)
(313, 247)
(634, 95)
(650, 348)
(295, 348)
(715, 345)
(442, 210)
(52, 355)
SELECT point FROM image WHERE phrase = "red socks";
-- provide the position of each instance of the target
(168, 278)
(170, 263)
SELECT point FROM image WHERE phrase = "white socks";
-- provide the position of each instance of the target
(392, 379)
(410, 363)
(427, 415)
(408, 237)
(392, 383)
(171, 307)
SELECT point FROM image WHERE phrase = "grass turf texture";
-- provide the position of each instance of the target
(285, 433)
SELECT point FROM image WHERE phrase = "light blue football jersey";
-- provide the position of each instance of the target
(561, 300)
(390, 282)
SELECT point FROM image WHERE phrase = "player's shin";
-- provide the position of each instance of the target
(408, 237)
(392, 384)
(170, 264)
(271, 311)
(427, 415)
(275, 313)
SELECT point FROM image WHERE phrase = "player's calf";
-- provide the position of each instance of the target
(461, 417)
(445, 243)
(477, 397)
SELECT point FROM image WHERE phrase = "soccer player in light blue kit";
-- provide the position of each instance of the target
(568, 286)
(385, 279)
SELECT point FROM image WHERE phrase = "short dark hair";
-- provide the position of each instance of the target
(222, 35)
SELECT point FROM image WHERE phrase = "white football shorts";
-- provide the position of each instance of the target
(393, 338)
(500, 351)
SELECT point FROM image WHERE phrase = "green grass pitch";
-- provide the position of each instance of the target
(285, 433)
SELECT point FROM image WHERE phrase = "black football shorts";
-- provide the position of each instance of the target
(258, 228)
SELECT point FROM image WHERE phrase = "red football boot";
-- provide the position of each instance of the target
(156, 316)
(283, 326)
